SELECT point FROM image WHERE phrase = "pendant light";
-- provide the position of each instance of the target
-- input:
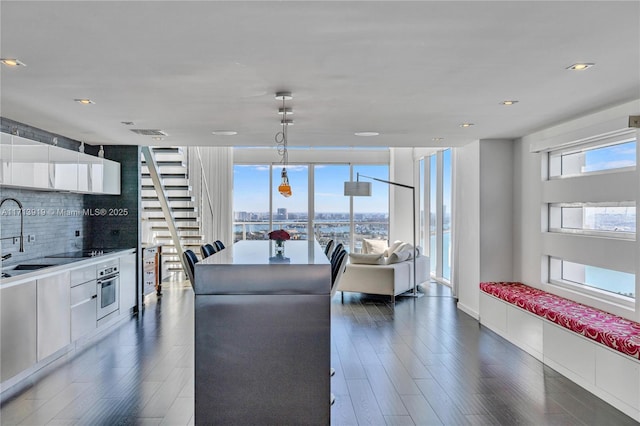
(281, 143)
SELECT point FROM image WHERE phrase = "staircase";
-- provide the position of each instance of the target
(172, 166)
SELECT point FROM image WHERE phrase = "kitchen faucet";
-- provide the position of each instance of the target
(21, 222)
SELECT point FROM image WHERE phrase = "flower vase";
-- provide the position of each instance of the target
(279, 247)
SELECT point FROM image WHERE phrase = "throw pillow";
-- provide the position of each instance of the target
(392, 248)
(374, 246)
(405, 247)
(366, 258)
(398, 256)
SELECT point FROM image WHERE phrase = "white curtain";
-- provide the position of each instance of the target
(211, 176)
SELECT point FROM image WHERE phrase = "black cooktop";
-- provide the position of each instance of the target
(83, 253)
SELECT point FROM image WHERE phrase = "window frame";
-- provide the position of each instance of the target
(589, 146)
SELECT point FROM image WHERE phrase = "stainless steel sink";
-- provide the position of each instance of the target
(23, 268)
(29, 267)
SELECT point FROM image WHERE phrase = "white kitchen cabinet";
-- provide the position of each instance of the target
(29, 164)
(53, 314)
(6, 157)
(63, 168)
(111, 177)
(128, 287)
(17, 328)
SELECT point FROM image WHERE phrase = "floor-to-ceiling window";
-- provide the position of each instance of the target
(371, 214)
(446, 214)
(433, 190)
(331, 208)
(436, 179)
(318, 201)
(251, 202)
(424, 236)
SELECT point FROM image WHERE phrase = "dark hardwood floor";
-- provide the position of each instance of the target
(422, 362)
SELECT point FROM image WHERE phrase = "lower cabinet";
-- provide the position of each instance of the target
(84, 300)
(128, 280)
(54, 314)
(17, 329)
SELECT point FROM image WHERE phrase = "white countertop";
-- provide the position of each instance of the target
(58, 264)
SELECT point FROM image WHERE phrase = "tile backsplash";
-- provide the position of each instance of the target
(50, 218)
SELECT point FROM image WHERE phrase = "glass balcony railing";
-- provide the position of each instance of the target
(339, 231)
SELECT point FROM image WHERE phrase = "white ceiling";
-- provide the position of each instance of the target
(412, 71)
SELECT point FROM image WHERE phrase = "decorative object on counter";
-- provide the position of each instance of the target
(81, 147)
(101, 152)
(279, 236)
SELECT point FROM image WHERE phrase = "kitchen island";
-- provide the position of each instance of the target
(262, 335)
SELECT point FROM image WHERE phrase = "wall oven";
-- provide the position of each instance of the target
(108, 290)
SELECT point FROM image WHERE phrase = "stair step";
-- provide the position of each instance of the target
(167, 149)
(167, 187)
(173, 209)
(167, 163)
(194, 228)
(169, 198)
(185, 238)
(166, 175)
(176, 219)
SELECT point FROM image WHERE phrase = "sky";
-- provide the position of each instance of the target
(611, 157)
(251, 188)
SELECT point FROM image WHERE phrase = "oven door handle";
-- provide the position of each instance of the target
(109, 278)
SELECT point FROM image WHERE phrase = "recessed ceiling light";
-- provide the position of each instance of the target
(466, 124)
(84, 101)
(281, 111)
(224, 132)
(509, 102)
(437, 139)
(284, 96)
(157, 138)
(580, 66)
(287, 122)
(12, 62)
(366, 133)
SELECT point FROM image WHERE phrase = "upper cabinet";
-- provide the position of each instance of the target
(30, 164)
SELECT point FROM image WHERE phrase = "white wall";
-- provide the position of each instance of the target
(467, 225)
(529, 214)
(484, 218)
(401, 170)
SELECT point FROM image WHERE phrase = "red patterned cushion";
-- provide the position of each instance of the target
(611, 330)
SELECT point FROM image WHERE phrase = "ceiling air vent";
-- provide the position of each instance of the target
(149, 132)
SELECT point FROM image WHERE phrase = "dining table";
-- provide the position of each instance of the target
(263, 334)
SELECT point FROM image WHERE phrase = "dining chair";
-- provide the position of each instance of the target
(207, 250)
(338, 265)
(335, 251)
(218, 245)
(190, 259)
(328, 249)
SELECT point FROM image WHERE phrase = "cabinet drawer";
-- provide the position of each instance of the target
(82, 275)
(83, 292)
